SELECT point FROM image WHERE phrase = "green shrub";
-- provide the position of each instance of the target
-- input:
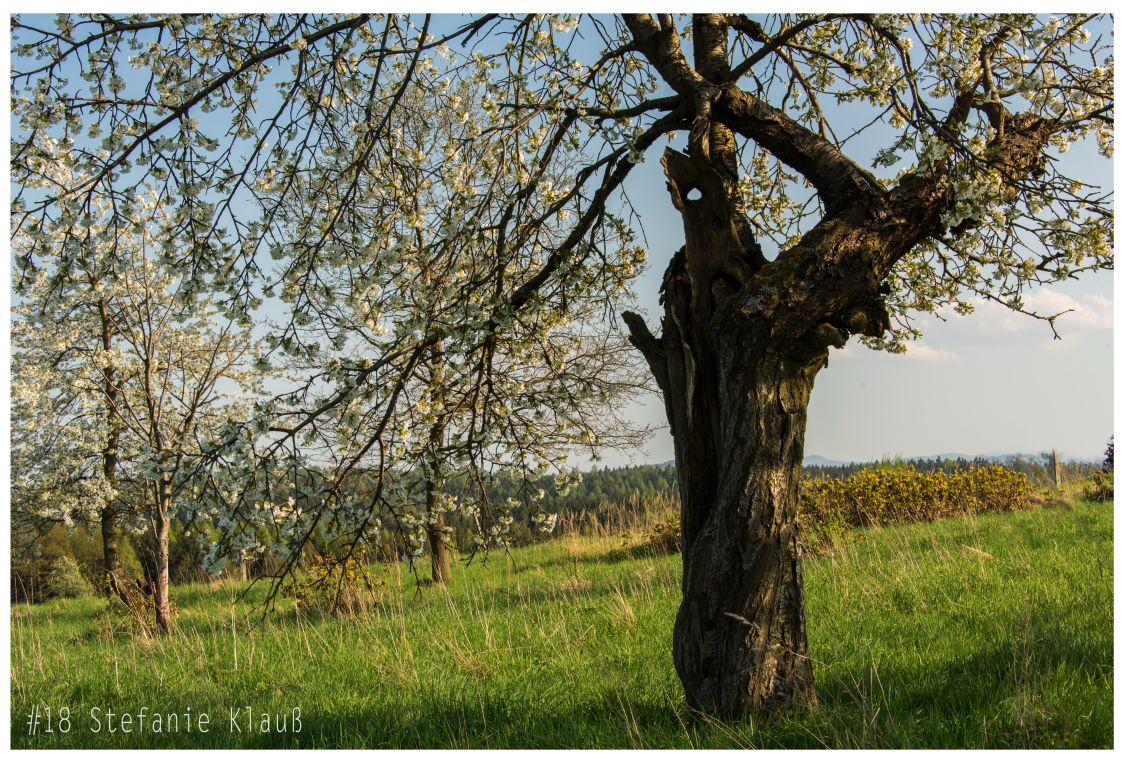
(1099, 487)
(334, 586)
(662, 538)
(65, 579)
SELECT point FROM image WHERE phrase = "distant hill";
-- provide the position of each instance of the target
(814, 459)
(1010, 458)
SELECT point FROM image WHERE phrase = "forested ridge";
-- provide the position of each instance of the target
(603, 500)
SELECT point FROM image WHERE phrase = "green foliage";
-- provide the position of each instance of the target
(66, 579)
(1099, 487)
(993, 631)
(335, 586)
(1037, 468)
(32, 561)
(616, 499)
(662, 538)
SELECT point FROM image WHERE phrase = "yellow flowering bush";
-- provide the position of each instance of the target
(833, 507)
(880, 497)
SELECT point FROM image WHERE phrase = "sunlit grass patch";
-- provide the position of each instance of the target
(988, 631)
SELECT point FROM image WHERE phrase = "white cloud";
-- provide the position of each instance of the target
(927, 354)
(1090, 312)
(1093, 313)
(855, 351)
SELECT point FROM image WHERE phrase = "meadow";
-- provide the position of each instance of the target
(988, 631)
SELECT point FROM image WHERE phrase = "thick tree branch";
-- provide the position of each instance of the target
(842, 261)
(709, 32)
(837, 179)
(661, 46)
(650, 347)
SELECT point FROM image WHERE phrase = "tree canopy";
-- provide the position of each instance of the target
(234, 119)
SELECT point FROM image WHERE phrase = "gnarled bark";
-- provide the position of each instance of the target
(736, 395)
(739, 639)
(741, 344)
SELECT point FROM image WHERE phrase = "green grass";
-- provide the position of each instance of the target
(995, 631)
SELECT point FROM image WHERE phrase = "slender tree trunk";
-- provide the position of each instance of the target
(161, 527)
(111, 562)
(439, 550)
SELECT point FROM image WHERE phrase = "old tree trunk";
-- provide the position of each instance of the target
(742, 341)
(736, 395)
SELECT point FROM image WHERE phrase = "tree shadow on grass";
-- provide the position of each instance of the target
(992, 696)
(489, 722)
(978, 699)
